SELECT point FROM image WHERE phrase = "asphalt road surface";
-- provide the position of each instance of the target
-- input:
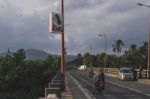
(115, 89)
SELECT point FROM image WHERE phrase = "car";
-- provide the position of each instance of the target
(82, 67)
(125, 74)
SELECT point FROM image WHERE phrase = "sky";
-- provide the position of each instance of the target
(24, 24)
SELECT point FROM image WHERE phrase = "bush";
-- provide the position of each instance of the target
(22, 79)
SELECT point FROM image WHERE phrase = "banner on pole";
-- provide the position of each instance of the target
(55, 22)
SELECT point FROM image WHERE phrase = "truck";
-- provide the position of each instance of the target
(82, 67)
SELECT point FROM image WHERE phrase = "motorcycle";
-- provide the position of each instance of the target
(100, 86)
(91, 74)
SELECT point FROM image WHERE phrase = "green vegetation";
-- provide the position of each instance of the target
(134, 57)
(22, 79)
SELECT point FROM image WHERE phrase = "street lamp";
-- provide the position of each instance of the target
(91, 57)
(105, 49)
(148, 67)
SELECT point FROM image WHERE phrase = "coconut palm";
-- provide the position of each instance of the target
(117, 46)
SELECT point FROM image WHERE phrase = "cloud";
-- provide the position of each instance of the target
(18, 30)
(118, 19)
(24, 24)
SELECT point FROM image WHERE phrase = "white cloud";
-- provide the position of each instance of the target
(24, 24)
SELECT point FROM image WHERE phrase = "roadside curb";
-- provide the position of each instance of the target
(129, 88)
(80, 86)
(66, 94)
(143, 81)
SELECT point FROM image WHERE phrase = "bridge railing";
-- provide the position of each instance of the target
(55, 87)
(144, 73)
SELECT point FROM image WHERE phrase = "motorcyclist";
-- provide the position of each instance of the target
(100, 77)
(134, 74)
(91, 72)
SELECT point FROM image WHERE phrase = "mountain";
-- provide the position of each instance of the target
(34, 54)
(3, 53)
(69, 58)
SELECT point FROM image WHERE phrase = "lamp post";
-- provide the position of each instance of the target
(91, 57)
(148, 66)
(105, 49)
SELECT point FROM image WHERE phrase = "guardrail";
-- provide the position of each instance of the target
(144, 73)
(56, 86)
(114, 71)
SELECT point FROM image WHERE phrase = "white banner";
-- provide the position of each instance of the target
(55, 22)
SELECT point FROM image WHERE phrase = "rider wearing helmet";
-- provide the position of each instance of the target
(100, 77)
(91, 73)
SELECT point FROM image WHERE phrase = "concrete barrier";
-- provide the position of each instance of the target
(56, 91)
(55, 81)
(114, 71)
(144, 73)
(54, 85)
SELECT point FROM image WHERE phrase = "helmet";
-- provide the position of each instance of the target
(100, 70)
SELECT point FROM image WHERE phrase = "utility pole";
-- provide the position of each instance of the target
(62, 42)
(148, 65)
(105, 52)
(105, 60)
(91, 57)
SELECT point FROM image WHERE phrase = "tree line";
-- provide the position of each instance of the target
(25, 79)
(135, 56)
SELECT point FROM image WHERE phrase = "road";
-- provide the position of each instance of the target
(115, 89)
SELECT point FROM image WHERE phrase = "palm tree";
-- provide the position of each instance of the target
(79, 59)
(117, 47)
(133, 47)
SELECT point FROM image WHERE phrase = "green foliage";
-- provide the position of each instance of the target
(87, 59)
(133, 57)
(136, 57)
(78, 61)
(22, 79)
(111, 61)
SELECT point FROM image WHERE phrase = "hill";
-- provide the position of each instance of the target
(34, 54)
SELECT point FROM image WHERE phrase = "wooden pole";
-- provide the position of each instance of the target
(62, 42)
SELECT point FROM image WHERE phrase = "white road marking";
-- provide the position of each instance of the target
(80, 86)
(129, 88)
(90, 93)
(129, 95)
(125, 95)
